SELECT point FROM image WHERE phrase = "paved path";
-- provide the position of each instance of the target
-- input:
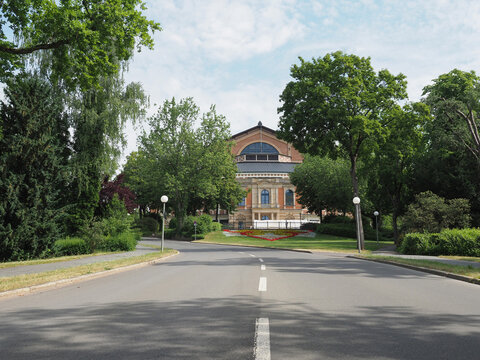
(31, 269)
(225, 302)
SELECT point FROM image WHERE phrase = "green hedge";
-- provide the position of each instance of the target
(349, 230)
(126, 241)
(148, 226)
(70, 246)
(461, 242)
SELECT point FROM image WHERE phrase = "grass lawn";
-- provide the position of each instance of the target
(319, 242)
(468, 270)
(21, 281)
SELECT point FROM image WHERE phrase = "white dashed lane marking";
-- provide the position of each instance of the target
(261, 260)
(261, 349)
(262, 284)
(263, 267)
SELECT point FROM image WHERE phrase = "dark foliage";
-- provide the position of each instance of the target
(33, 168)
(110, 188)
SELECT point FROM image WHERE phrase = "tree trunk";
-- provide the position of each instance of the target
(353, 174)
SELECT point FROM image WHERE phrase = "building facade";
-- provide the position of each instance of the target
(264, 163)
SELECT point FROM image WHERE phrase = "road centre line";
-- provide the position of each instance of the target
(252, 255)
(263, 267)
(261, 260)
(262, 284)
(261, 348)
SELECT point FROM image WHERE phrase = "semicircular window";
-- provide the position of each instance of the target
(260, 151)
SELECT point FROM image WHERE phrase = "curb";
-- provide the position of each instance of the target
(59, 283)
(252, 246)
(422, 269)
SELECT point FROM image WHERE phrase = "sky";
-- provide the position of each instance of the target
(237, 54)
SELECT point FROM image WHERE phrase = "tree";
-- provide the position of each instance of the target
(391, 167)
(455, 102)
(432, 213)
(116, 187)
(85, 39)
(192, 167)
(335, 106)
(323, 183)
(98, 118)
(33, 168)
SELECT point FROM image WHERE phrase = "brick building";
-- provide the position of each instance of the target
(264, 163)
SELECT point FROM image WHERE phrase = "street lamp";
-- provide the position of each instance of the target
(163, 199)
(376, 213)
(356, 202)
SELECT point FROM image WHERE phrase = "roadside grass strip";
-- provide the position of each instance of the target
(468, 270)
(52, 260)
(318, 242)
(270, 235)
(28, 280)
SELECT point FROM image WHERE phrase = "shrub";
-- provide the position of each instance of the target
(349, 230)
(337, 219)
(216, 226)
(204, 225)
(170, 233)
(461, 242)
(432, 213)
(70, 246)
(148, 225)
(309, 226)
(125, 241)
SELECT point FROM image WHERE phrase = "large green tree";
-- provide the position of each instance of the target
(85, 39)
(455, 102)
(390, 170)
(335, 106)
(33, 168)
(193, 167)
(98, 118)
(323, 184)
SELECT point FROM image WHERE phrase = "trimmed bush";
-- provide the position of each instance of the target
(460, 242)
(349, 230)
(125, 241)
(148, 225)
(70, 246)
(337, 219)
(216, 226)
(309, 226)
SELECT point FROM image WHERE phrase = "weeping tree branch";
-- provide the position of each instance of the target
(31, 49)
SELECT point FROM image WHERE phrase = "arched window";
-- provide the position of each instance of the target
(289, 201)
(260, 151)
(265, 197)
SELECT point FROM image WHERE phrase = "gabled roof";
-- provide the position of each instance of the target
(259, 126)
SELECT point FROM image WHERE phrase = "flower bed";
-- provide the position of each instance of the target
(270, 235)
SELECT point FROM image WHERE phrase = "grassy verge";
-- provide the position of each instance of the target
(51, 260)
(21, 281)
(468, 270)
(321, 242)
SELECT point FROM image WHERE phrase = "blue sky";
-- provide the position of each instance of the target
(237, 53)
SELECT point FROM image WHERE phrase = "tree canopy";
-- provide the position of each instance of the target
(323, 183)
(335, 106)
(193, 167)
(85, 39)
(455, 101)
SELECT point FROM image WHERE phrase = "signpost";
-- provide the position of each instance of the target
(195, 225)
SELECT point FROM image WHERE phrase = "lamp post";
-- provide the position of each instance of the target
(163, 199)
(356, 202)
(376, 213)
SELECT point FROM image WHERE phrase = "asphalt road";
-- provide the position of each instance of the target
(219, 302)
